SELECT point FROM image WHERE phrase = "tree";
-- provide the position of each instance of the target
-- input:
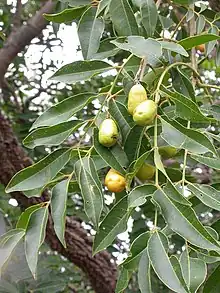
(173, 112)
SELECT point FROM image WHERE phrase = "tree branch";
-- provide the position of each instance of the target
(100, 268)
(17, 15)
(21, 37)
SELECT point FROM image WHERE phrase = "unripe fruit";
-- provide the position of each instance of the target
(136, 96)
(167, 151)
(114, 181)
(108, 133)
(145, 113)
(146, 172)
(201, 48)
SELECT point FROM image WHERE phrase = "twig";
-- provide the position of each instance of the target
(204, 85)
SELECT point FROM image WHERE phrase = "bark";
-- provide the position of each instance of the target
(100, 268)
(215, 5)
(22, 36)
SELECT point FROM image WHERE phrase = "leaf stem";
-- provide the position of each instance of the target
(178, 25)
(141, 70)
(157, 96)
(204, 85)
(184, 162)
(116, 78)
(155, 148)
(192, 30)
(155, 218)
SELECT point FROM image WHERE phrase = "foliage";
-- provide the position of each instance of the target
(173, 74)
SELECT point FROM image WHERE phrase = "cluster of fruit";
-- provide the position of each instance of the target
(143, 111)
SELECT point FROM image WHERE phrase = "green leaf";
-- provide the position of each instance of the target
(34, 237)
(212, 285)
(141, 47)
(133, 141)
(2, 36)
(136, 250)
(33, 192)
(54, 286)
(144, 274)
(162, 265)
(74, 187)
(63, 110)
(208, 257)
(8, 287)
(91, 189)
(158, 162)
(99, 163)
(194, 271)
(66, 15)
(138, 195)
(166, 22)
(149, 16)
(123, 280)
(25, 216)
(207, 194)
(177, 268)
(106, 50)
(103, 4)
(215, 111)
(40, 173)
(210, 46)
(183, 220)
(80, 71)
(200, 23)
(185, 107)
(210, 162)
(51, 135)
(58, 208)
(174, 194)
(179, 136)
(182, 84)
(8, 242)
(189, 14)
(107, 154)
(193, 41)
(115, 222)
(174, 47)
(135, 166)
(152, 77)
(120, 114)
(123, 18)
(90, 30)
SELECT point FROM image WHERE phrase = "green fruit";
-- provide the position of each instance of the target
(146, 172)
(167, 151)
(145, 113)
(136, 96)
(108, 133)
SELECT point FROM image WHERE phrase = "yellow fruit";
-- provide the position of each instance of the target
(108, 133)
(146, 172)
(145, 113)
(136, 96)
(201, 48)
(167, 151)
(114, 181)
